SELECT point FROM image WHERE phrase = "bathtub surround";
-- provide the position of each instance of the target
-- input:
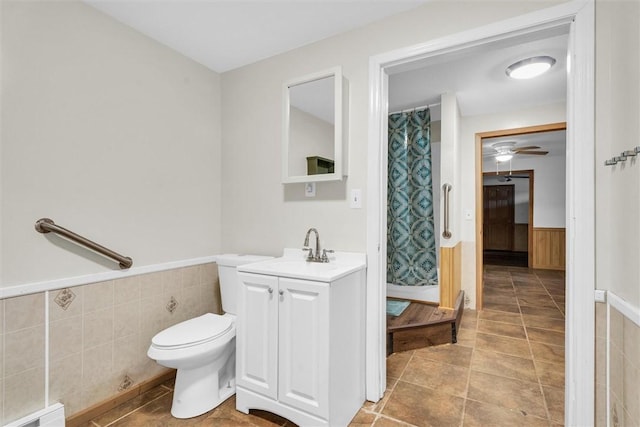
(97, 336)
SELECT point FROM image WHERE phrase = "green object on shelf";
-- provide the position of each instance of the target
(318, 165)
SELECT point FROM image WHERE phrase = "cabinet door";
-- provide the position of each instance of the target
(257, 334)
(304, 345)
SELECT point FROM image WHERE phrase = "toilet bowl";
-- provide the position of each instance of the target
(202, 349)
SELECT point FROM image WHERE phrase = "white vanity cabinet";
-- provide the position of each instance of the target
(300, 347)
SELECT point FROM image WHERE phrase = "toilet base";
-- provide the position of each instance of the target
(200, 390)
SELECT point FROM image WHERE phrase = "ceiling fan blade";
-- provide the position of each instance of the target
(528, 147)
(536, 153)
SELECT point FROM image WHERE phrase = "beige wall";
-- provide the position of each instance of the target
(259, 213)
(617, 130)
(618, 210)
(108, 133)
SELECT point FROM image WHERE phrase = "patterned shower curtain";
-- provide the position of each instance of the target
(411, 243)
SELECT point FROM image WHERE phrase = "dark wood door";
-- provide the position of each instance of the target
(498, 217)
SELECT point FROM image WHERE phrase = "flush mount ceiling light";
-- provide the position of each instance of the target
(503, 157)
(504, 151)
(530, 67)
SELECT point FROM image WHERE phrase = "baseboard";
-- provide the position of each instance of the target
(83, 417)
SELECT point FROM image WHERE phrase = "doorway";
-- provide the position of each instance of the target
(498, 217)
(516, 251)
(480, 173)
(580, 191)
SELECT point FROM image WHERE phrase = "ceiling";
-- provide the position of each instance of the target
(477, 77)
(224, 34)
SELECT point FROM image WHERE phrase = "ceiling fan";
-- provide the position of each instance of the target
(504, 151)
(509, 178)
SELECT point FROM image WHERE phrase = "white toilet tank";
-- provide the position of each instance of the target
(229, 281)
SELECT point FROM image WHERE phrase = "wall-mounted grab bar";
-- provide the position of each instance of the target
(46, 225)
(446, 188)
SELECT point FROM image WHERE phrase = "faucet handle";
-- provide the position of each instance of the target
(325, 258)
(310, 254)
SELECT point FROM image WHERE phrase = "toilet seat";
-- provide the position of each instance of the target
(192, 332)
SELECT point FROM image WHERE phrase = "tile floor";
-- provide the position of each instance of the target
(507, 369)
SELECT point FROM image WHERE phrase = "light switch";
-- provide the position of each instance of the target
(356, 199)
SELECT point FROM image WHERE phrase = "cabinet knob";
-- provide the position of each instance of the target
(281, 292)
(270, 290)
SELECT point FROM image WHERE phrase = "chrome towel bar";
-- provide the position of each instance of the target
(46, 225)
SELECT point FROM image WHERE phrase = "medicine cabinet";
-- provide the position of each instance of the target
(314, 128)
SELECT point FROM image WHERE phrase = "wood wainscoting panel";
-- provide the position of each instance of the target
(450, 275)
(549, 248)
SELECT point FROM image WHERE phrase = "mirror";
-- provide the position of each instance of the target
(312, 148)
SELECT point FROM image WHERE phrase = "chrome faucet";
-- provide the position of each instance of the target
(311, 257)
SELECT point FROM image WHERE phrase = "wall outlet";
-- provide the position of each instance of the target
(356, 199)
(310, 189)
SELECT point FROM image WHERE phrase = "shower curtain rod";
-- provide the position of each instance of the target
(416, 108)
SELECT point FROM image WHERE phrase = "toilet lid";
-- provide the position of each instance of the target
(193, 331)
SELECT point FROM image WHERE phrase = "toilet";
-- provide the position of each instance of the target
(203, 349)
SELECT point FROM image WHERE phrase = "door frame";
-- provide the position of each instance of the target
(479, 197)
(530, 175)
(580, 321)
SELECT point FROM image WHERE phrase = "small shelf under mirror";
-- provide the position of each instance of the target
(314, 128)
(319, 165)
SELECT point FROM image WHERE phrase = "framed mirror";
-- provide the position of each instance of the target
(313, 145)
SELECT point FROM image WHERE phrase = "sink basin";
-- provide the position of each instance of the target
(294, 265)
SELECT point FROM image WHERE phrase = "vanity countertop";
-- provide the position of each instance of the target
(293, 264)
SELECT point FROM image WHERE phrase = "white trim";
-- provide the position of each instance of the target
(47, 340)
(50, 416)
(608, 365)
(580, 274)
(580, 211)
(376, 373)
(627, 309)
(51, 285)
